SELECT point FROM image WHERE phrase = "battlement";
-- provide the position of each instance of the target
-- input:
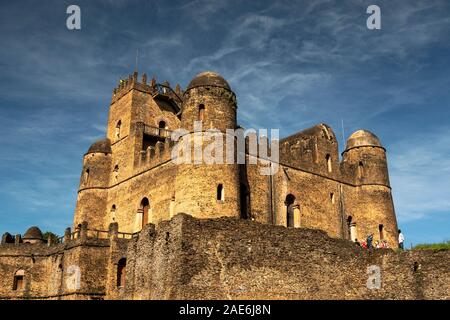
(153, 156)
(157, 90)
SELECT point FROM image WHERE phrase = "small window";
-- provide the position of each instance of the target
(289, 203)
(119, 124)
(360, 170)
(113, 212)
(86, 175)
(162, 128)
(145, 207)
(332, 198)
(201, 112)
(19, 281)
(220, 193)
(121, 272)
(329, 166)
(380, 229)
(116, 171)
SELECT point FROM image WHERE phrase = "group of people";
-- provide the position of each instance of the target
(381, 244)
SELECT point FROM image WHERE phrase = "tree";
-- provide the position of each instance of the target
(48, 234)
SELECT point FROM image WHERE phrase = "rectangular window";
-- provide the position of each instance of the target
(18, 283)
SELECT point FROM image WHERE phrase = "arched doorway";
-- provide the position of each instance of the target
(351, 229)
(121, 272)
(381, 231)
(145, 208)
(289, 203)
(245, 202)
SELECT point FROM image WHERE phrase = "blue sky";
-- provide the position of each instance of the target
(292, 64)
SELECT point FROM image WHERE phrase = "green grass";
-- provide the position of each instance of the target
(434, 246)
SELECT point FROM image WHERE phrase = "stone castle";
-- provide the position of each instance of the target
(148, 228)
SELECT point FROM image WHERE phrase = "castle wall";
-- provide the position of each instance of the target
(369, 206)
(122, 146)
(197, 185)
(156, 184)
(220, 108)
(151, 112)
(92, 194)
(120, 110)
(224, 258)
(318, 199)
(261, 193)
(50, 271)
(227, 258)
(314, 150)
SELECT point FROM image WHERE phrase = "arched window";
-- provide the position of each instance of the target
(380, 229)
(220, 192)
(351, 228)
(289, 202)
(360, 170)
(19, 280)
(328, 160)
(201, 112)
(86, 175)
(118, 125)
(332, 198)
(162, 128)
(145, 207)
(121, 272)
(113, 212)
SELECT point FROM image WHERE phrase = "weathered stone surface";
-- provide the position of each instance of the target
(129, 179)
(223, 258)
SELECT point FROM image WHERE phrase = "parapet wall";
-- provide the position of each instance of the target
(224, 258)
(228, 258)
(154, 156)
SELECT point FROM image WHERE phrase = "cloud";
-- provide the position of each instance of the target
(292, 64)
(420, 169)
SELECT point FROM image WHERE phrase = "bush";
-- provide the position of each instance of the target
(434, 246)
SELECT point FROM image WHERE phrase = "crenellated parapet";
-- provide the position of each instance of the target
(155, 155)
(153, 88)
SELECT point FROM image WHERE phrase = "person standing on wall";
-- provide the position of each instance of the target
(401, 239)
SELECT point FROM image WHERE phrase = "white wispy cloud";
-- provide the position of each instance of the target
(420, 171)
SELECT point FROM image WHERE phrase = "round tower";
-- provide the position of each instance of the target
(204, 189)
(92, 193)
(370, 208)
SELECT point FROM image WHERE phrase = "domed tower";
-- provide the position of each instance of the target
(33, 235)
(370, 209)
(203, 189)
(92, 193)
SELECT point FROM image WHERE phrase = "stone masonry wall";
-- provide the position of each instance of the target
(50, 271)
(229, 258)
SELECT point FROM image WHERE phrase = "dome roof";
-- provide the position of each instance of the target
(33, 233)
(362, 138)
(101, 146)
(208, 78)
